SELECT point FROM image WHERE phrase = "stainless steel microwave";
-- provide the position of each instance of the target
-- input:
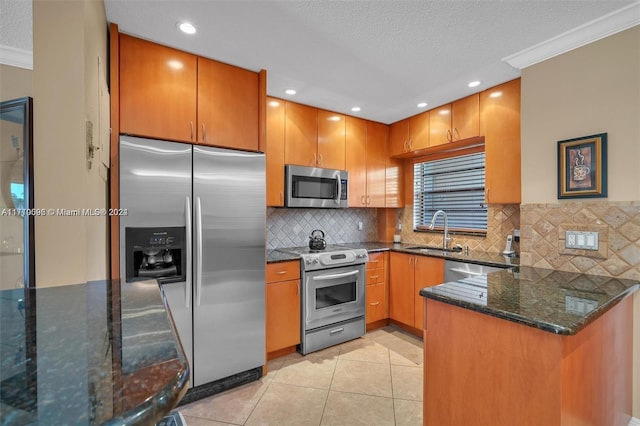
(316, 187)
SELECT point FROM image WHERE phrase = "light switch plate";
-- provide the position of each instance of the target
(581, 240)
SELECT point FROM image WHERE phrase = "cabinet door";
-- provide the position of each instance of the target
(399, 137)
(419, 131)
(401, 287)
(301, 134)
(227, 105)
(275, 152)
(157, 91)
(465, 115)
(440, 125)
(500, 125)
(376, 302)
(356, 160)
(429, 271)
(377, 155)
(283, 314)
(331, 140)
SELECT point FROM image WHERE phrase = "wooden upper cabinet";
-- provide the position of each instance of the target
(500, 125)
(456, 121)
(419, 132)
(465, 117)
(227, 106)
(157, 90)
(301, 134)
(440, 125)
(356, 160)
(399, 137)
(377, 154)
(275, 152)
(331, 140)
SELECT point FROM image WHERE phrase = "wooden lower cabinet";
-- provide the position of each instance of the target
(283, 306)
(407, 275)
(377, 289)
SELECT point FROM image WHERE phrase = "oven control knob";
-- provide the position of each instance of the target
(315, 261)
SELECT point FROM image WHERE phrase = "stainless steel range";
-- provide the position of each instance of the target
(332, 297)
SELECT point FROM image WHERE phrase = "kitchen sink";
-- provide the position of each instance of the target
(456, 249)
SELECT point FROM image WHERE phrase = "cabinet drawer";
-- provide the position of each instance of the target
(377, 303)
(377, 260)
(283, 271)
(376, 276)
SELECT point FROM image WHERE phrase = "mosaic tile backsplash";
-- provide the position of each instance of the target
(292, 227)
(618, 225)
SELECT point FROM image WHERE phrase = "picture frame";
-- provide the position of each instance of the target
(582, 167)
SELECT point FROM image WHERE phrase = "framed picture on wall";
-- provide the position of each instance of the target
(582, 167)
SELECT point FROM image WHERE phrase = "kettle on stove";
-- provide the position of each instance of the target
(316, 240)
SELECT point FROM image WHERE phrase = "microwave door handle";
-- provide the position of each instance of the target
(335, 276)
(339, 188)
(187, 214)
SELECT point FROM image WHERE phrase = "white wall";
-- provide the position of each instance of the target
(68, 37)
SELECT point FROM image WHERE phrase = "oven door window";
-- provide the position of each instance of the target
(314, 187)
(335, 295)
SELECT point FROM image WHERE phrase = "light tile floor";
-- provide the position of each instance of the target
(373, 380)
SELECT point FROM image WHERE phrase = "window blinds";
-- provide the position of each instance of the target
(455, 185)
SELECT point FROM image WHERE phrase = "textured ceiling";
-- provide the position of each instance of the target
(384, 56)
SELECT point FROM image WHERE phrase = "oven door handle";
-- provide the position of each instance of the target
(334, 276)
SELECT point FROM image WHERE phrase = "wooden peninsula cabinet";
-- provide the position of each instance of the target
(283, 307)
(529, 347)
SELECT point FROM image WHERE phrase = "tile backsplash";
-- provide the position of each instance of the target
(502, 220)
(292, 227)
(618, 226)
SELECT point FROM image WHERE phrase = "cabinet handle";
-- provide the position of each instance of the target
(298, 288)
(374, 303)
(314, 163)
(204, 133)
(410, 144)
(374, 277)
(487, 195)
(449, 136)
(362, 200)
(320, 160)
(368, 199)
(456, 135)
(281, 272)
(191, 124)
(405, 145)
(281, 197)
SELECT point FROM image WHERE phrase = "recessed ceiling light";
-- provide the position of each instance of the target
(474, 84)
(422, 104)
(290, 92)
(187, 27)
(355, 109)
(274, 103)
(496, 94)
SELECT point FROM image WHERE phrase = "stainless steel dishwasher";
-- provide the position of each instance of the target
(454, 270)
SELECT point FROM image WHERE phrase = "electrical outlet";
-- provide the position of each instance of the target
(360, 226)
(581, 240)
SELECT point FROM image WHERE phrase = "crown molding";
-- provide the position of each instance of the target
(612, 23)
(16, 57)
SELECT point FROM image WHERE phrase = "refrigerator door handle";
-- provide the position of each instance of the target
(198, 235)
(187, 216)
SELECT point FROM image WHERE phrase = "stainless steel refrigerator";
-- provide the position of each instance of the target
(215, 199)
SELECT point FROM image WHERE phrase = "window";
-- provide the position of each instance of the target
(455, 185)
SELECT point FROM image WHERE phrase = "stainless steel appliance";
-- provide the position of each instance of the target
(316, 187)
(196, 221)
(332, 296)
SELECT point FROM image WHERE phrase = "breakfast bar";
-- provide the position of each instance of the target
(528, 346)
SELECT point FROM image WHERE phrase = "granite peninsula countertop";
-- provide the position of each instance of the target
(94, 353)
(479, 257)
(553, 301)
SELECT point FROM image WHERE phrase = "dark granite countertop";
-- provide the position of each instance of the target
(94, 353)
(482, 258)
(554, 301)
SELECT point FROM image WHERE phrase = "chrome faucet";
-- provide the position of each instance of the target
(445, 236)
